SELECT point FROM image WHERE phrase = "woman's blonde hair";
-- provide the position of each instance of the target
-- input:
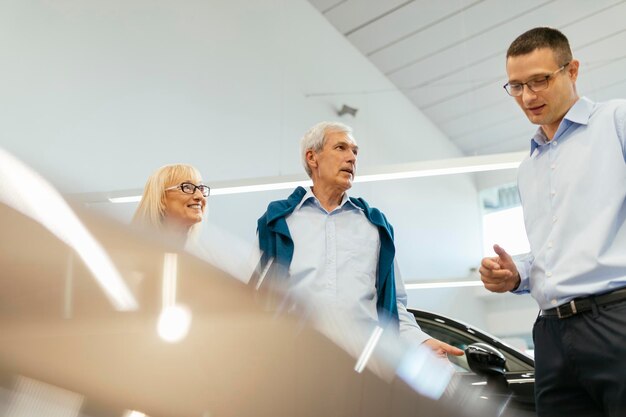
(151, 210)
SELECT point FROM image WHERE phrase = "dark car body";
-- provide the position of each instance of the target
(511, 392)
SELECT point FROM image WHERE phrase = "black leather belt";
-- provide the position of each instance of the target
(580, 305)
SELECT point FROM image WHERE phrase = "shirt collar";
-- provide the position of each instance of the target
(309, 196)
(579, 113)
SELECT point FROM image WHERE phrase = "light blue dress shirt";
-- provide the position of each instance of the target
(335, 262)
(573, 192)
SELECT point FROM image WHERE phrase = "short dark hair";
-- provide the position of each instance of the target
(542, 37)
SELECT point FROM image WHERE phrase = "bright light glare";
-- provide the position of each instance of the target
(369, 349)
(133, 413)
(175, 319)
(426, 373)
(506, 228)
(174, 323)
(170, 271)
(31, 195)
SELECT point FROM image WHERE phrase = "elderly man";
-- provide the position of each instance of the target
(337, 248)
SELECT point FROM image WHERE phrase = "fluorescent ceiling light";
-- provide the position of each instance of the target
(131, 199)
(259, 187)
(463, 165)
(435, 172)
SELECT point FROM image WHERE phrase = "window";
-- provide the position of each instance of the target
(462, 340)
(503, 221)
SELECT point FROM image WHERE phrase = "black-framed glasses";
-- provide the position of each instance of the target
(534, 85)
(190, 188)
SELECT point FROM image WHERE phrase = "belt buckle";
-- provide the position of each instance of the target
(570, 313)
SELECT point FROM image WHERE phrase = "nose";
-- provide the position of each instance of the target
(528, 95)
(197, 195)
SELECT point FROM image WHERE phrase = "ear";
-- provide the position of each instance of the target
(311, 159)
(572, 69)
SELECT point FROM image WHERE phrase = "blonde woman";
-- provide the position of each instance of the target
(173, 202)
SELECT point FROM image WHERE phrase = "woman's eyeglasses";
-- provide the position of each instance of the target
(190, 188)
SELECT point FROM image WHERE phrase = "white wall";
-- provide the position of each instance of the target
(98, 94)
(121, 87)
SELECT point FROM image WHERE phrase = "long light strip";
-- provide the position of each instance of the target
(240, 189)
(451, 166)
(368, 349)
(259, 187)
(170, 275)
(130, 199)
(436, 171)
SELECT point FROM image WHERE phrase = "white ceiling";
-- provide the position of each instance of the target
(447, 56)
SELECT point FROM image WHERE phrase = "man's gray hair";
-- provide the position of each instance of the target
(315, 139)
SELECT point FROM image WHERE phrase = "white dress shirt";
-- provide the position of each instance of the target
(335, 263)
(573, 191)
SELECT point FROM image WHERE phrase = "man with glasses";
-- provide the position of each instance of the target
(573, 192)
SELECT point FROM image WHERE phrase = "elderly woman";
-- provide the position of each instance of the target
(173, 201)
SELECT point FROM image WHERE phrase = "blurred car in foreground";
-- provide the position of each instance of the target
(69, 344)
(99, 320)
(494, 371)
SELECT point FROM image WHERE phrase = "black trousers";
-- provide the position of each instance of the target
(580, 363)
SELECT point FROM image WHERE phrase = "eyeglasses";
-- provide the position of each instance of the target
(189, 188)
(534, 85)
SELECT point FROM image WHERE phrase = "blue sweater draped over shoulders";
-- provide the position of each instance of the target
(275, 242)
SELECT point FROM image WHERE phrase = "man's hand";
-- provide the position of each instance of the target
(442, 349)
(499, 274)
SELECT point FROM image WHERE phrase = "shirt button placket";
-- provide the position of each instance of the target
(331, 252)
(552, 204)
